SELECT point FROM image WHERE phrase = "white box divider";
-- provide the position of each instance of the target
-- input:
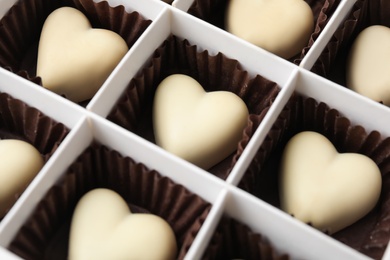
(89, 124)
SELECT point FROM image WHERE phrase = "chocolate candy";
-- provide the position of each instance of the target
(104, 228)
(282, 27)
(74, 59)
(368, 63)
(202, 128)
(324, 188)
(20, 162)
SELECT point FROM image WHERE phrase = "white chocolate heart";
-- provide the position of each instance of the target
(74, 59)
(282, 27)
(202, 128)
(20, 162)
(103, 228)
(369, 62)
(320, 186)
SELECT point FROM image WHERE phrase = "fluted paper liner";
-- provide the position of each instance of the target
(20, 29)
(214, 13)
(234, 240)
(134, 109)
(45, 233)
(22, 122)
(371, 234)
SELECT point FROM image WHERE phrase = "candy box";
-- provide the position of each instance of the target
(227, 204)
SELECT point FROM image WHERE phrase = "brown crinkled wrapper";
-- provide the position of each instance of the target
(379, 12)
(134, 109)
(234, 240)
(371, 234)
(21, 27)
(45, 234)
(214, 13)
(22, 122)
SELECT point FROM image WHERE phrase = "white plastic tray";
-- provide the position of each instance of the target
(286, 234)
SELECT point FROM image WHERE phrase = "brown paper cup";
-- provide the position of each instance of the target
(22, 122)
(234, 240)
(134, 109)
(45, 234)
(322, 11)
(370, 235)
(20, 29)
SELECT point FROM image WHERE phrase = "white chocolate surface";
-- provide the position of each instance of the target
(369, 63)
(20, 162)
(104, 228)
(202, 128)
(75, 59)
(327, 189)
(282, 27)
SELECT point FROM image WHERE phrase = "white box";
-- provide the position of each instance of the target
(89, 123)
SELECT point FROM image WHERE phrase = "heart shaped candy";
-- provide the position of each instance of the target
(322, 187)
(369, 62)
(202, 128)
(20, 162)
(282, 27)
(103, 228)
(73, 58)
